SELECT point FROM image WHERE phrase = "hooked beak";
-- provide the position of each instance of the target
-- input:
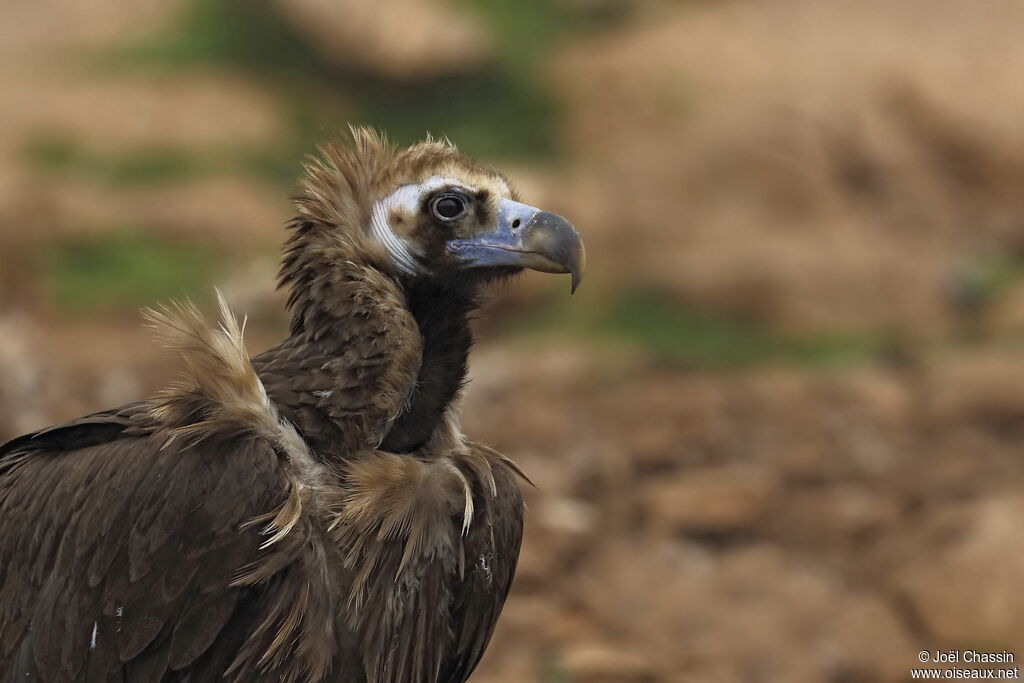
(526, 237)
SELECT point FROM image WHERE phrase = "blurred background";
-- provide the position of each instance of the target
(777, 434)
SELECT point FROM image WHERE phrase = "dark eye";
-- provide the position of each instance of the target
(448, 207)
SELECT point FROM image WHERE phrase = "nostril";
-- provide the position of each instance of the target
(515, 223)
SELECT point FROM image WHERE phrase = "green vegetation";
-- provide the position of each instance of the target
(58, 154)
(983, 279)
(502, 109)
(681, 335)
(237, 33)
(123, 268)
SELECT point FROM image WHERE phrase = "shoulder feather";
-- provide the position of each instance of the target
(219, 392)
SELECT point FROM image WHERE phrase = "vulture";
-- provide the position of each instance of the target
(313, 513)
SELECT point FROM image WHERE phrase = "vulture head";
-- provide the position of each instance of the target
(427, 215)
(432, 227)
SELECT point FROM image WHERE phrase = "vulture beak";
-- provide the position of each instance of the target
(526, 237)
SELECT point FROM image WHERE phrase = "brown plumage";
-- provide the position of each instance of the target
(312, 514)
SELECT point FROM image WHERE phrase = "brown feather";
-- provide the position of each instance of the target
(247, 524)
(219, 383)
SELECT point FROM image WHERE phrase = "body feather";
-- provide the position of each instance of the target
(310, 514)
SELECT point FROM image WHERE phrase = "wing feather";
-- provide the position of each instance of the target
(94, 584)
(491, 550)
(121, 533)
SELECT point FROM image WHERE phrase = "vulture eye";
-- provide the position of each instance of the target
(448, 207)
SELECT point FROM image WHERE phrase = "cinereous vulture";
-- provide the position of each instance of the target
(313, 513)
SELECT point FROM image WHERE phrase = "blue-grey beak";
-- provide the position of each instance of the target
(526, 237)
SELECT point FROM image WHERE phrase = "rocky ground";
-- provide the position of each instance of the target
(776, 435)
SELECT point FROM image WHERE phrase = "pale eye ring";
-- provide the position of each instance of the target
(448, 207)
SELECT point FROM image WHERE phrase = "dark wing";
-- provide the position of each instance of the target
(85, 431)
(117, 551)
(491, 553)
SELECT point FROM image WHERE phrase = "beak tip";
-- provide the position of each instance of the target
(578, 266)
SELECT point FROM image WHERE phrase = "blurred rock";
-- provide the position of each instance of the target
(567, 515)
(835, 519)
(31, 27)
(1007, 315)
(750, 157)
(599, 663)
(965, 577)
(668, 421)
(987, 387)
(711, 499)
(725, 621)
(193, 210)
(403, 40)
(192, 112)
